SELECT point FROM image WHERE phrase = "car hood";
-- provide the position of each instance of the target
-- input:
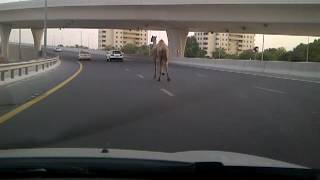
(226, 158)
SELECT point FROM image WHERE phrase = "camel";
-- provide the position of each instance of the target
(160, 53)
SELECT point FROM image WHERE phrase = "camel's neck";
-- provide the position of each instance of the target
(154, 44)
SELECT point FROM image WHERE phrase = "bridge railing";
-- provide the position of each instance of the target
(14, 70)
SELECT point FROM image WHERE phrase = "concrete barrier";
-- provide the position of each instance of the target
(254, 66)
(278, 67)
(303, 70)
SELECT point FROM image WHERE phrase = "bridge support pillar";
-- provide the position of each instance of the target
(177, 41)
(5, 31)
(37, 38)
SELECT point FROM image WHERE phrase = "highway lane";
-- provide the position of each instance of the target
(119, 105)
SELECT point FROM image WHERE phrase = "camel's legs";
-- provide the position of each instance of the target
(160, 70)
(167, 71)
(155, 69)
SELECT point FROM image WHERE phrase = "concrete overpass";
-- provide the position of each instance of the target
(177, 17)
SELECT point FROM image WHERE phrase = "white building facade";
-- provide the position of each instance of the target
(232, 43)
(117, 38)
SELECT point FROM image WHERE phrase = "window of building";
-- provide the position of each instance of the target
(205, 38)
(205, 43)
(205, 48)
(205, 33)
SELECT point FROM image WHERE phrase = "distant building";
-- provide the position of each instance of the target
(232, 43)
(117, 38)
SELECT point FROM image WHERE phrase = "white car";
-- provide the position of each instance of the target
(84, 55)
(114, 55)
(58, 49)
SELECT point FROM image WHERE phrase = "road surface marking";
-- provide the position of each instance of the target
(127, 69)
(37, 99)
(270, 90)
(167, 92)
(140, 76)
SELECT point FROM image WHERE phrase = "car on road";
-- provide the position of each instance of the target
(58, 49)
(114, 55)
(84, 55)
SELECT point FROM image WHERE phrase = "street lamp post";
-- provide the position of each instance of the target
(262, 55)
(308, 49)
(20, 55)
(81, 38)
(45, 27)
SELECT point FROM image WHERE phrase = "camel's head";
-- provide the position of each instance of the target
(154, 39)
(161, 41)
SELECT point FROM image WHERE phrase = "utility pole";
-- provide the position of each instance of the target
(88, 41)
(45, 27)
(81, 38)
(20, 55)
(262, 55)
(308, 49)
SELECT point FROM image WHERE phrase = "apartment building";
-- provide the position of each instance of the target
(232, 43)
(117, 38)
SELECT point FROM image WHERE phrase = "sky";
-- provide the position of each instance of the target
(90, 38)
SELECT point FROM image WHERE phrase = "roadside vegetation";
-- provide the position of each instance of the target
(298, 54)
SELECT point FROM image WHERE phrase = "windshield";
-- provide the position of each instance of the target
(84, 52)
(163, 76)
(116, 52)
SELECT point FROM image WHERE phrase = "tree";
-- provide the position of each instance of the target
(314, 51)
(274, 54)
(193, 49)
(247, 54)
(130, 49)
(143, 50)
(219, 53)
(108, 48)
(299, 53)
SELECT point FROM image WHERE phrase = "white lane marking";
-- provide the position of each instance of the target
(127, 69)
(200, 75)
(270, 90)
(140, 76)
(167, 92)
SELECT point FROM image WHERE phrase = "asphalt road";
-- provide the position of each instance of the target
(119, 105)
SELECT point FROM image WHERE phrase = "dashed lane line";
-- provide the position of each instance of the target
(270, 90)
(167, 92)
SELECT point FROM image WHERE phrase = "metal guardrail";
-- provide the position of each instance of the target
(23, 68)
